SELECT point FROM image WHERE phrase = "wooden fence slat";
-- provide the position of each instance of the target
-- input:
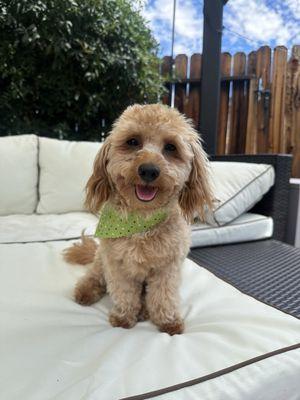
(166, 67)
(277, 140)
(263, 71)
(251, 133)
(166, 72)
(251, 64)
(224, 104)
(180, 89)
(196, 64)
(193, 103)
(292, 109)
(265, 65)
(244, 96)
(296, 125)
(237, 133)
(288, 115)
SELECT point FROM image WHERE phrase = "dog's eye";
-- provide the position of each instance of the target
(169, 147)
(133, 142)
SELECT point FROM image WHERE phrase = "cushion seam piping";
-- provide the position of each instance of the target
(243, 188)
(230, 226)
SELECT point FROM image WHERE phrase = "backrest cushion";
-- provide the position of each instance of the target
(65, 168)
(18, 174)
(237, 187)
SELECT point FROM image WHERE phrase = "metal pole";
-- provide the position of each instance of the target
(172, 55)
(173, 29)
(210, 79)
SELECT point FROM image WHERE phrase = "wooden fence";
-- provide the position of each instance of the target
(259, 104)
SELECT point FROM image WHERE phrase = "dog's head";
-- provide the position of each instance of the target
(151, 158)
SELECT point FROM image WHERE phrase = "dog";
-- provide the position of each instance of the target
(152, 166)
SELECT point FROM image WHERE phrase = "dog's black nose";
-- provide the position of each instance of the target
(148, 172)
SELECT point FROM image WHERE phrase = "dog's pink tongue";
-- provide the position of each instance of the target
(145, 193)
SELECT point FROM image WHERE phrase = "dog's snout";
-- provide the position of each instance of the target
(148, 172)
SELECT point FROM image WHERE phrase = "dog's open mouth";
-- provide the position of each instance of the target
(145, 193)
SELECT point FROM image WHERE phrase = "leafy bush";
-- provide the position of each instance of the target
(65, 65)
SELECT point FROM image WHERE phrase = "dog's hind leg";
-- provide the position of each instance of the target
(91, 287)
(81, 253)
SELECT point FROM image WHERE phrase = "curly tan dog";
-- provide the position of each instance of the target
(152, 160)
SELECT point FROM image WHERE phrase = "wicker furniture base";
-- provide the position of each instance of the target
(268, 270)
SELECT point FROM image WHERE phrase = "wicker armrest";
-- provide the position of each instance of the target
(275, 202)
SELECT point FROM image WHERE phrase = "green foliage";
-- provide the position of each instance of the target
(67, 64)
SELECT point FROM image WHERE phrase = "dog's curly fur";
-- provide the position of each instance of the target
(142, 272)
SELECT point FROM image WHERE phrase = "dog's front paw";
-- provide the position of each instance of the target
(175, 327)
(125, 322)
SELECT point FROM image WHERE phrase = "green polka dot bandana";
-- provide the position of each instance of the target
(113, 225)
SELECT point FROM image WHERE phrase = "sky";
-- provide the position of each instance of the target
(247, 24)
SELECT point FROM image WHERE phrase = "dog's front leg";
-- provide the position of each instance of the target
(126, 296)
(162, 299)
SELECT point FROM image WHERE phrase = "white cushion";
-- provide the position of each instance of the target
(65, 167)
(36, 228)
(18, 174)
(39, 228)
(247, 227)
(53, 348)
(237, 187)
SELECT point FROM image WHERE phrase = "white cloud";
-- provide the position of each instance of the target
(188, 26)
(263, 23)
(294, 7)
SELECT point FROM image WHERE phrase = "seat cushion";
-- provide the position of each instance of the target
(18, 174)
(53, 348)
(245, 228)
(39, 228)
(65, 168)
(237, 187)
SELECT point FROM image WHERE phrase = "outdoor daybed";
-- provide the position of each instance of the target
(241, 310)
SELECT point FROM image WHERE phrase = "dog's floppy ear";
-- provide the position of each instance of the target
(196, 194)
(98, 186)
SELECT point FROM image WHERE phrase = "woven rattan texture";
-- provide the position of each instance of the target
(275, 202)
(267, 270)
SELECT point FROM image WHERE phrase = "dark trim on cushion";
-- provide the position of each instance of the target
(245, 186)
(216, 374)
(48, 240)
(230, 225)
